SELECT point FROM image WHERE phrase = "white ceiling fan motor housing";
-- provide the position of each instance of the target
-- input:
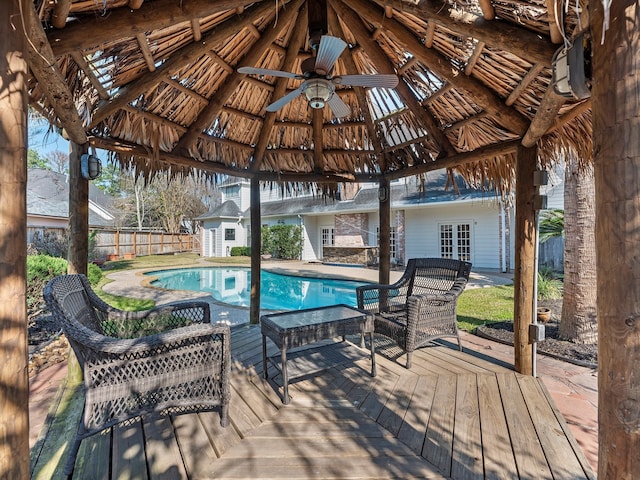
(318, 91)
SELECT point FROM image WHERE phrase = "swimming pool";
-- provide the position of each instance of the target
(232, 285)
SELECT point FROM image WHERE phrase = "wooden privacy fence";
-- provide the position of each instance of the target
(116, 244)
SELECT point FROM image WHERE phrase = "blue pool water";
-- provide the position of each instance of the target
(232, 285)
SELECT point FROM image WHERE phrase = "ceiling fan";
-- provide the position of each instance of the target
(319, 86)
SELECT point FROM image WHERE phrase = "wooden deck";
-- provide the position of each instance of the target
(454, 415)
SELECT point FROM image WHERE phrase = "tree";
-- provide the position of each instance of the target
(616, 147)
(59, 161)
(170, 203)
(578, 322)
(109, 179)
(34, 160)
(551, 225)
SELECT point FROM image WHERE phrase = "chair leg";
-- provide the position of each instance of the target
(224, 416)
(409, 354)
(459, 342)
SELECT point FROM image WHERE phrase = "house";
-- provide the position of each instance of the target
(432, 221)
(48, 203)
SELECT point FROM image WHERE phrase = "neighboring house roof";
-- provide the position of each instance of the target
(48, 196)
(228, 209)
(404, 195)
(367, 198)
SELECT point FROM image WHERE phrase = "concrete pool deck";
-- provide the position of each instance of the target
(133, 283)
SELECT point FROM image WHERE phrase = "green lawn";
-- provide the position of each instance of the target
(478, 306)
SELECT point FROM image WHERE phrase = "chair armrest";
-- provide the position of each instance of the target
(369, 296)
(124, 324)
(101, 344)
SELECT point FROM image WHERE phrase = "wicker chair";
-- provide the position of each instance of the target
(170, 359)
(421, 306)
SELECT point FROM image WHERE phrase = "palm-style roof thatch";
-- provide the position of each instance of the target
(157, 82)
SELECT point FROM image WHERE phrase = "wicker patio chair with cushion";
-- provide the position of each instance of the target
(170, 359)
(421, 306)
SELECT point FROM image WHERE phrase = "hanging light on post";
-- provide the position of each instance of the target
(90, 166)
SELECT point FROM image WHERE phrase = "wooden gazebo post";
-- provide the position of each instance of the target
(525, 238)
(384, 253)
(14, 381)
(78, 212)
(256, 245)
(616, 142)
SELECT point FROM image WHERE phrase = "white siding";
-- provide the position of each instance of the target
(422, 231)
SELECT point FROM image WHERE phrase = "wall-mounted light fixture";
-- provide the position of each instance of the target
(90, 166)
(383, 194)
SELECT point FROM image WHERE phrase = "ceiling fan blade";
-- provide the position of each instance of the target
(278, 104)
(265, 71)
(338, 107)
(329, 51)
(380, 81)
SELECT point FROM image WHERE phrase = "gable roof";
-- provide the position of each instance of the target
(48, 196)
(228, 209)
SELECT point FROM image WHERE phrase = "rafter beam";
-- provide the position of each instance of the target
(184, 56)
(477, 155)
(529, 77)
(508, 117)
(495, 33)
(146, 51)
(296, 43)
(384, 65)
(126, 23)
(361, 96)
(86, 69)
(545, 116)
(570, 115)
(488, 12)
(474, 58)
(60, 13)
(231, 82)
(43, 65)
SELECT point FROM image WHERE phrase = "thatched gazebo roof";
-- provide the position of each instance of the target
(157, 82)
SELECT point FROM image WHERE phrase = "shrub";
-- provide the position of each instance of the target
(240, 251)
(41, 269)
(282, 241)
(549, 286)
(52, 243)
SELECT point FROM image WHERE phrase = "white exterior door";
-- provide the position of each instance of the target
(326, 238)
(455, 241)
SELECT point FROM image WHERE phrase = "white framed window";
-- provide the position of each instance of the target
(455, 241)
(328, 238)
(392, 241)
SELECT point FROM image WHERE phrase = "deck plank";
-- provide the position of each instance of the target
(93, 457)
(438, 442)
(194, 443)
(499, 462)
(392, 415)
(414, 426)
(526, 446)
(466, 462)
(557, 449)
(128, 459)
(163, 454)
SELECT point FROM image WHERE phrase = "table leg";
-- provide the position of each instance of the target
(285, 377)
(265, 373)
(373, 356)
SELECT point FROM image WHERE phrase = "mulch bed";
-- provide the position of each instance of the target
(585, 355)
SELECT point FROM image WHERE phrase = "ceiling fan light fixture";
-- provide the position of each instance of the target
(318, 91)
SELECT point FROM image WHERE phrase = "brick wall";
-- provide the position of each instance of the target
(351, 230)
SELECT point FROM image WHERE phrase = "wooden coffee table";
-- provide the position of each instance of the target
(301, 327)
